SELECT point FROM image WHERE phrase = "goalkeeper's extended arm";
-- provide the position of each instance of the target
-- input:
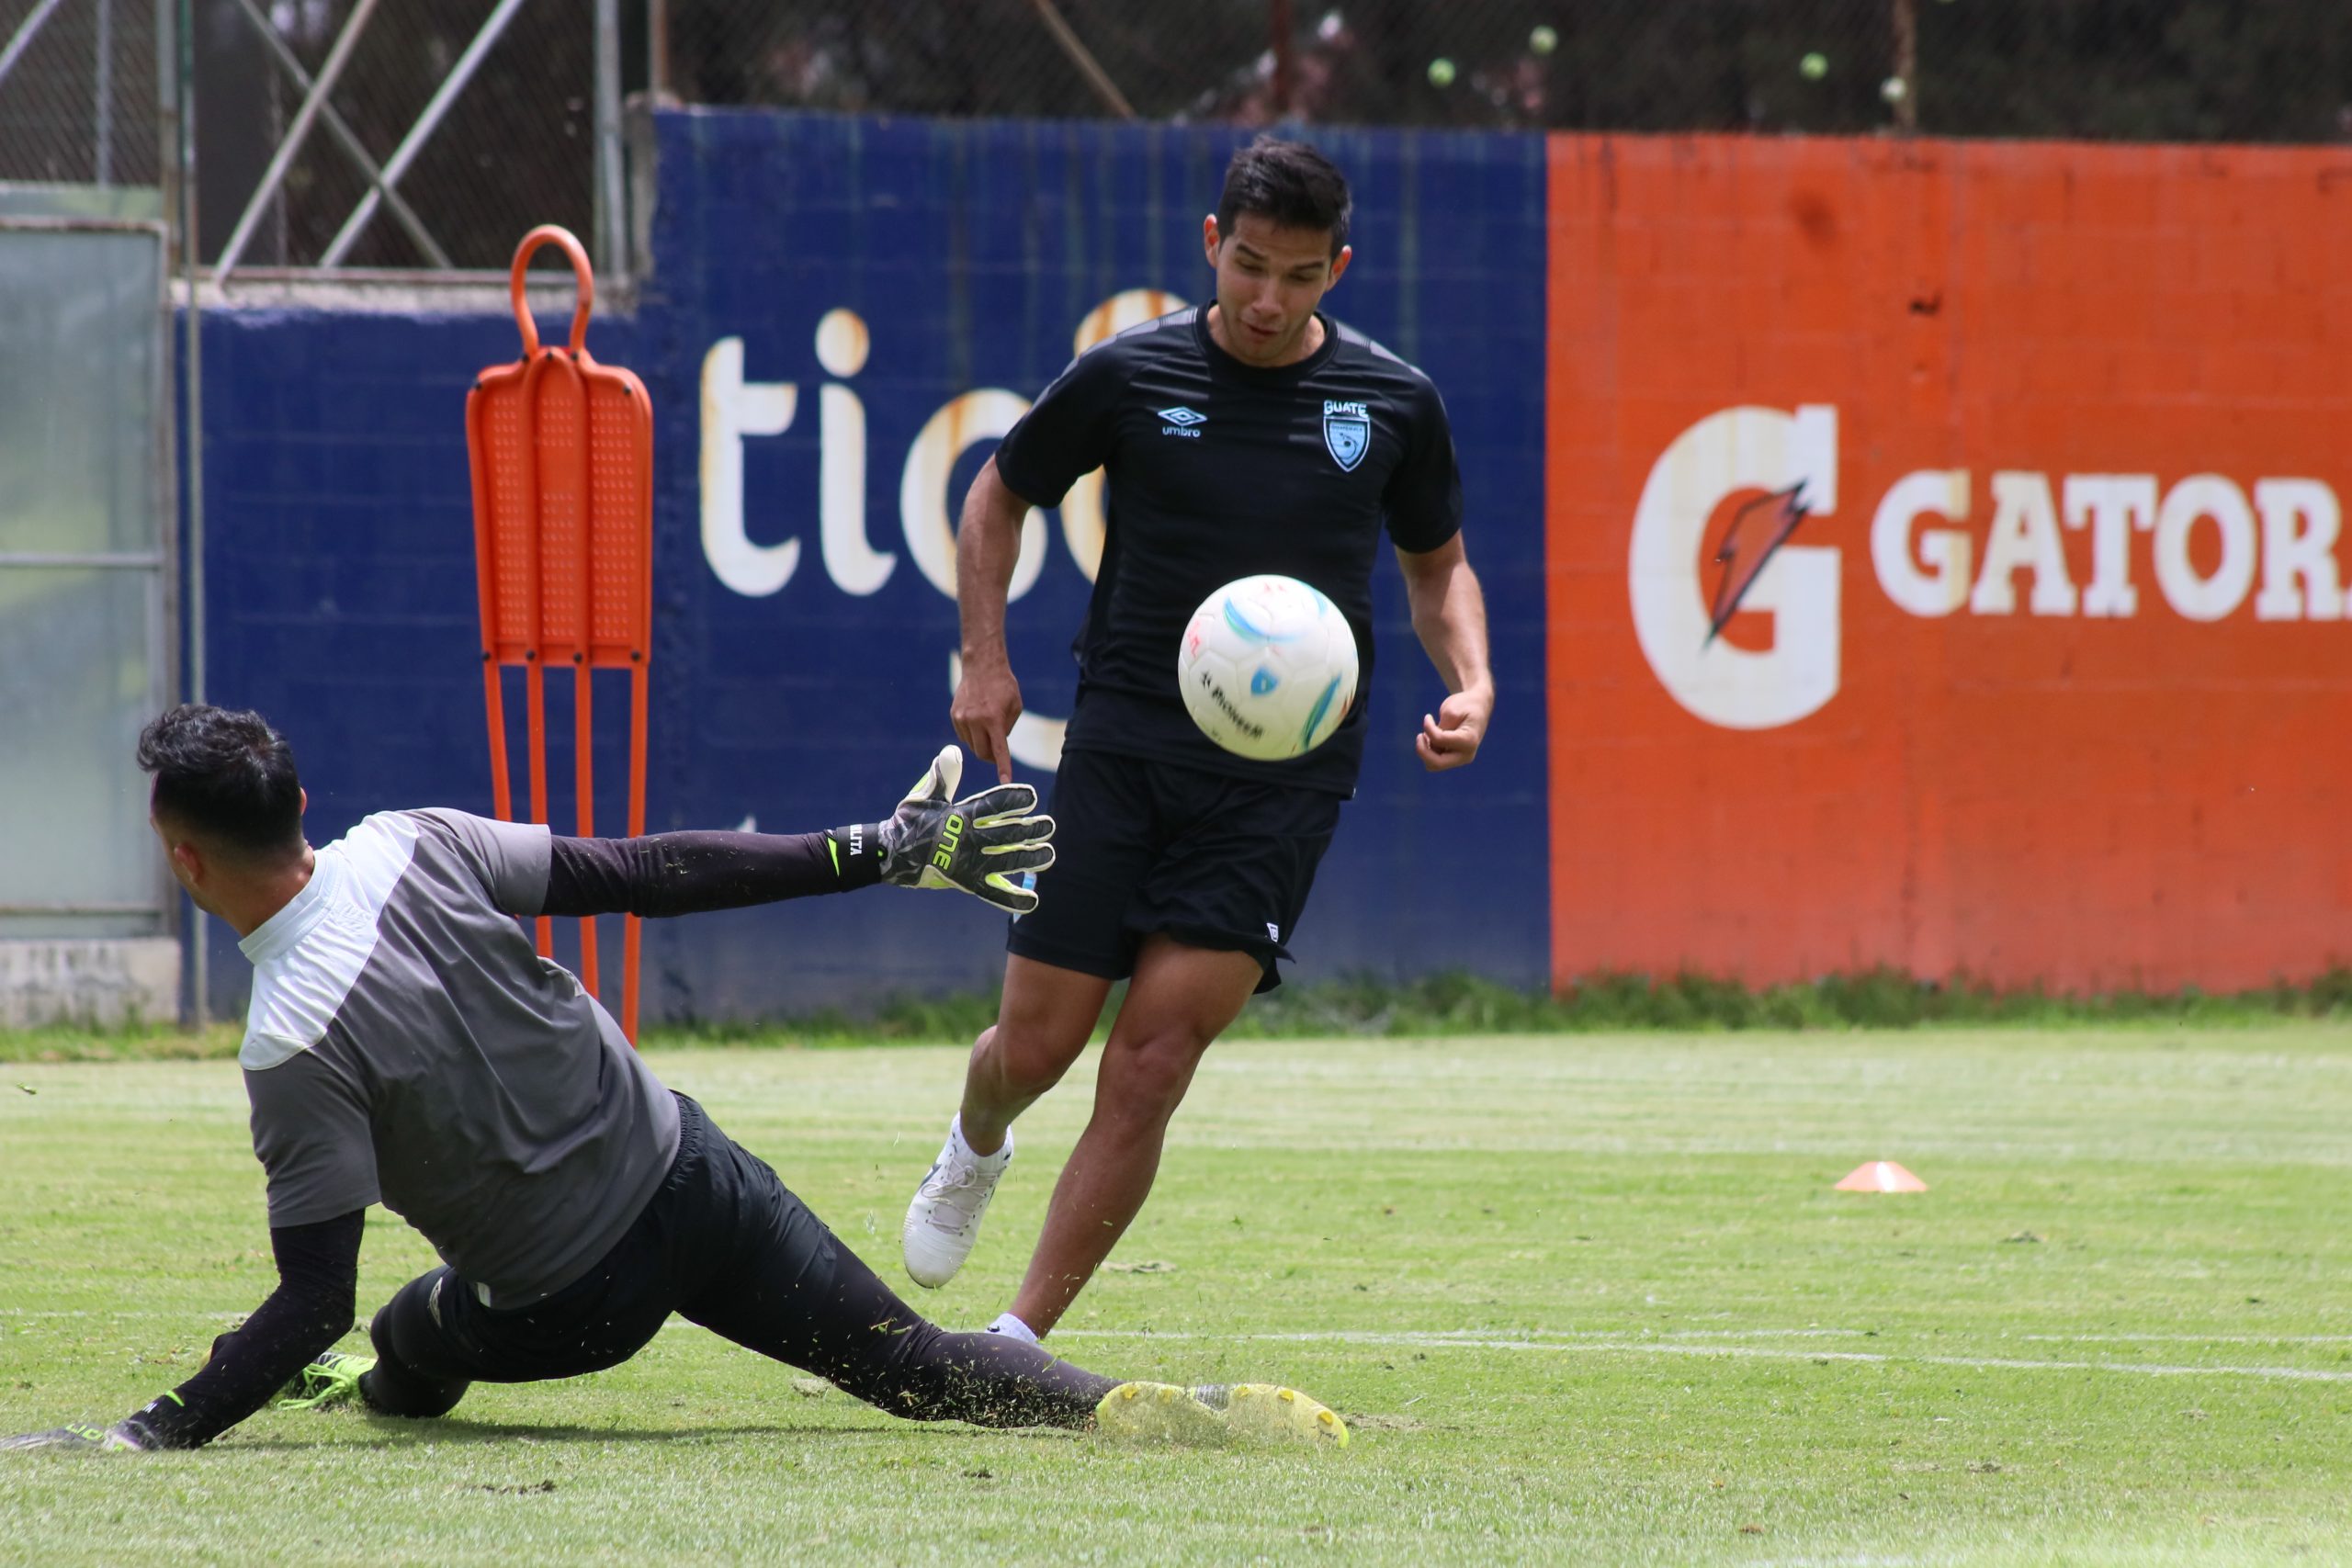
(978, 845)
(684, 873)
(318, 1275)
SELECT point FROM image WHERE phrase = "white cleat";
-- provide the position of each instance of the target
(944, 1219)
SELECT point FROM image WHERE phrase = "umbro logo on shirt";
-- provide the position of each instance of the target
(1181, 420)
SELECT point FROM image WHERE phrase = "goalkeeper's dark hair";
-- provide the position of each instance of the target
(1286, 183)
(226, 776)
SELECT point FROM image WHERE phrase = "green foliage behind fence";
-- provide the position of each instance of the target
(1454, 1004)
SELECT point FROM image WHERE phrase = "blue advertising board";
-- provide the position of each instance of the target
(841, 316)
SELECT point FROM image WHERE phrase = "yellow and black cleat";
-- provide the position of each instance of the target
(332, 1379)
(1162, 1413)
(1265, 1413)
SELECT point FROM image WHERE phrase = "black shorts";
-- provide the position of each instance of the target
(726, 1245)
(1143, 846)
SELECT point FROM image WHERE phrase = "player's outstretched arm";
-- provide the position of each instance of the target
(1450, 617)
(987, 545)
(318, 1277)
(979, 845)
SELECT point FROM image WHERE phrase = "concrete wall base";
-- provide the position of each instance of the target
(104, 982)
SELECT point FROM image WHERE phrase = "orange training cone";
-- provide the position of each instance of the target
(1881, 1176)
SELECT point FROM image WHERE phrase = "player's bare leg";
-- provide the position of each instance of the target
(1182, 999)
(1042, 1025)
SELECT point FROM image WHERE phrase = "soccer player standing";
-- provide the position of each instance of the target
(1255, 434)
(404, 1044)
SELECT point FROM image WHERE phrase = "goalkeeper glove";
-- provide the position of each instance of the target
(978, 845)
(118, 1435)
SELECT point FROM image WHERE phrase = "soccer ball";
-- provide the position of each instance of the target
(1268, 668)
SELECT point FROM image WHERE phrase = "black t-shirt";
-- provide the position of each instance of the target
(1214, 470)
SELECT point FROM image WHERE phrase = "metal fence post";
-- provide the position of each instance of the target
(1278, 17)
(103, 86)
(612, 243)
(657, 52)
(1904, 85)
(192, 358)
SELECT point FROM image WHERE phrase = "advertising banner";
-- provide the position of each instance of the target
(844, 314)
(1907, 554)
(1946, 560)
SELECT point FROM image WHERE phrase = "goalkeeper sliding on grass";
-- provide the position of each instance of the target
(406, 1044)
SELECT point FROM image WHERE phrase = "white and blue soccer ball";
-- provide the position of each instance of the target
(1268, 668)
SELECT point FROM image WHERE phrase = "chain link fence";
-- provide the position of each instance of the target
(2173, 70)
(77, 91)
(484, 111)
(510, 88)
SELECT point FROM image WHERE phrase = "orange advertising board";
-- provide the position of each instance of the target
(2049, 678)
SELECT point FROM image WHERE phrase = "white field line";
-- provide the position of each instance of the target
(2190, 1339)
(1696, 1342)
(1532, 1337)
(1456, 1341)
(1817, 1333)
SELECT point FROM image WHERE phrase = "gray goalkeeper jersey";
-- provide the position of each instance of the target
(405, 1043)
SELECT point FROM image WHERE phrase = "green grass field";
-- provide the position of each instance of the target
(1584, 1300)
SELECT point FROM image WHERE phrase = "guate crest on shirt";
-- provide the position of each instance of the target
(1347, 432)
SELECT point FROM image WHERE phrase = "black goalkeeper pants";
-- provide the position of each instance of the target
(722, 1243)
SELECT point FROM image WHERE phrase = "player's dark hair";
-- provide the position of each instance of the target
(1288, 182)
(225, 775)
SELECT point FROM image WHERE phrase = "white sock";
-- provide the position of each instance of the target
(956, 1132)
(1006, 1324)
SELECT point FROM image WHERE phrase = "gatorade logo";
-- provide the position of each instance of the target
(1932, 557)
(1727, 451)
